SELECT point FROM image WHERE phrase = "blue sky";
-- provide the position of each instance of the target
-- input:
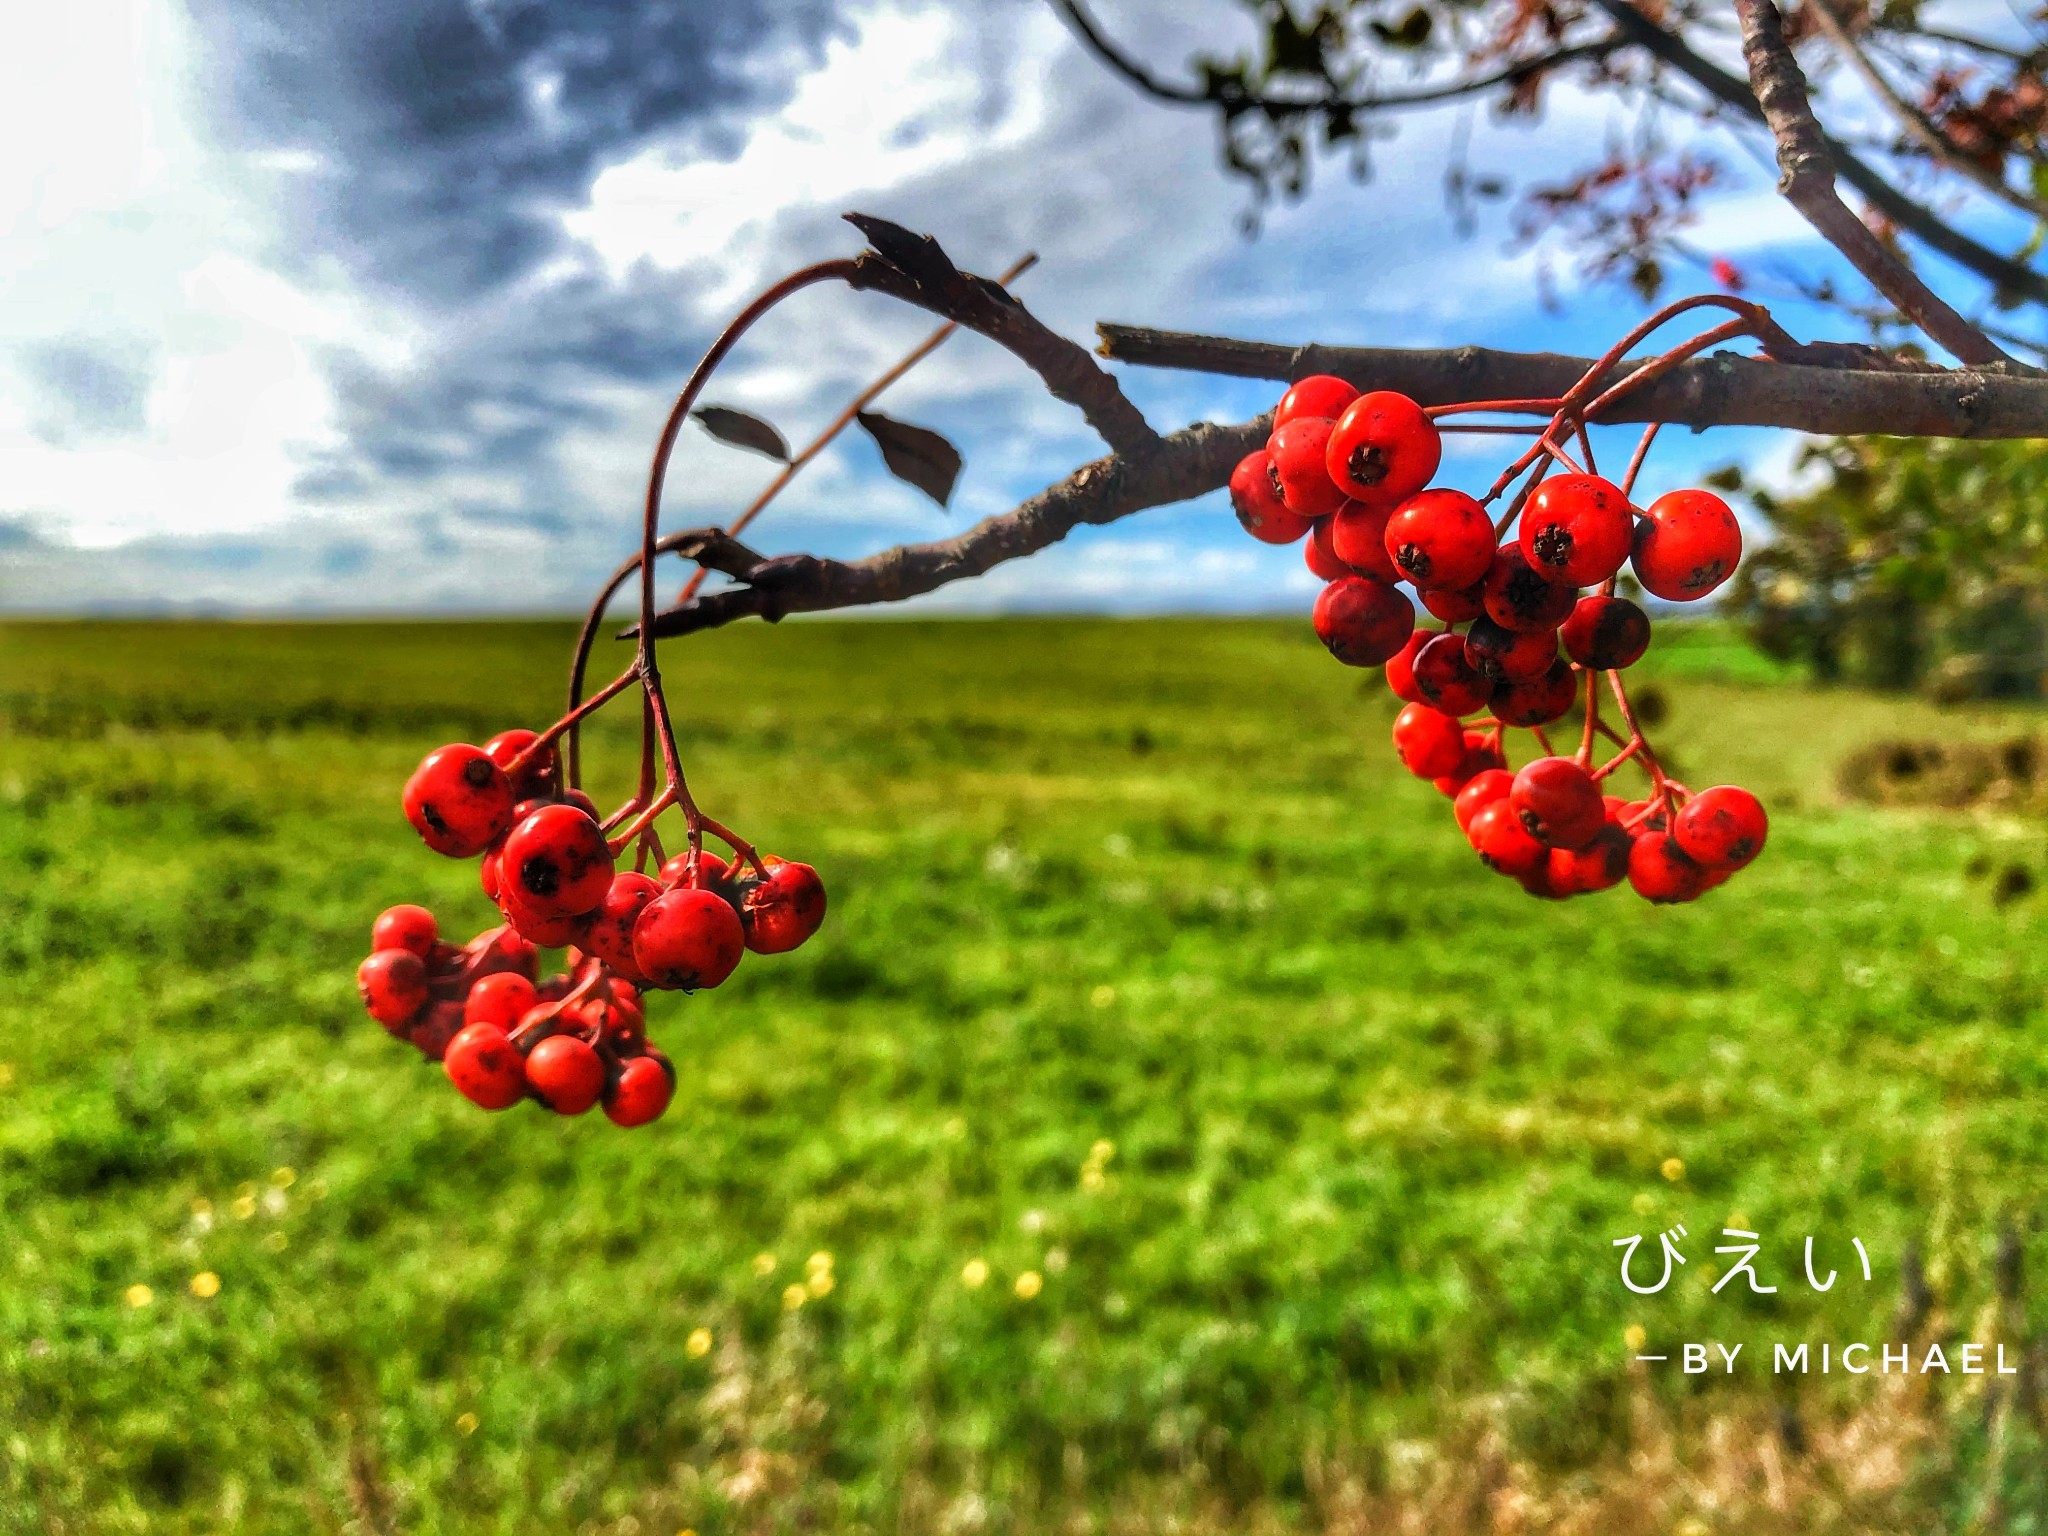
(377, 306)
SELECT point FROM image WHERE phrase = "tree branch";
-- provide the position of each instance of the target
(1914, 121)
(1806, 180)
(2010, 277)
(1100, 44)
(1721, 390)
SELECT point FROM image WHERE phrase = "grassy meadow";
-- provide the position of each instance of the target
(1286, 1145)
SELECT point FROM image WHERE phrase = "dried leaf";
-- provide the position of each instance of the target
(916, 454)
(919, 257)
(742, 430)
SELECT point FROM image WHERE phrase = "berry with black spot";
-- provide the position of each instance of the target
(565, 1073)
(640, 1090)
(1576, 529)
(1520, 597)
(1558, 803)
(1599, 865)
(685, 939)
(556, 863)
(538, 779)
(1722, 828)
(1297, 452)
(1507, 656)
(1606, 633)
(1362, 622)
(1455, 606)
(405, 927)
(458, 800)
(1538, 701)
(1501, 842)
(1440, 540)
(782, 908)
(1255, 498)
(393, 984)
(1660, 871)
(503, 999)
(1384, 448)
(1686, 544)
(608, 931)
(485, 1067)
(1447, 681)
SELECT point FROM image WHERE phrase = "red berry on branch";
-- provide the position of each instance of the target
(1601, 864)
(502, 999)
(713, 873)
(441, 1023)
(1576, 529)
(1686, 544)
(556, 863)
(1401, 668)
(490, 871)
(1358, 537)
(783, 908)
(485, 1066)
(1446, 680)
(1430, 743)
(1363, 622)
(1522, 598)
(1506, 656)
(1606, 633)
(1501, 843)
(458, 800)
(640, 1091)
(1322, 560)
(1480, 757)
(1481, 790)
(608, 931)
(686, 939)
(1660, 871)
(1441, 540)
(1320, 394)
(1384, 448)
(1455, 606)
(565, 1073)
(1297, 451)
(1538, 701)
(539, 777)
(1255, 498)
(1722, 828)
(405, 927)
(393, 984)
(545, 930)
(1558, 803)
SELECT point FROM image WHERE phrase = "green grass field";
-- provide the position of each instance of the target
(1148, 973)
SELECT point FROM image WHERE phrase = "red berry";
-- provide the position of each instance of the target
(485, 1067)
(1722, 828)
(1441, 539)
(500, 949)
(1481, 790)
(1659, 870)
(1520, 597)
(1358, 537)
(1558, 803)
(1401, 668)
(1480, 757)
(640, 1091)
(1384, 448)
(1455, 606)
(1508, 657)
(1576, 529)
(432, 1031)
(1255, 498)
(1600, 864)
(1322, 560)
(1363, 622)
(393, 983)
(623, 1029)
(556, 863)
(609, 931)
(405, 927)
(1430, 743)
(566, 1073)
(501, 999)
(1500, 841)
(458, 800)
(545, 930)
(686, 939)
(1297, 453)
(712, 871)
(539, 776)
(1538, 701)
(1320, 394)
(1606, 633)
(490, 871)
(1686, 545)
(1447, 680)
(783, 908)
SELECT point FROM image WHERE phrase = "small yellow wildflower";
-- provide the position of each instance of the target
(1103, 996)
(698, 1344)
(205, 1284)
(138, 1296)
(284, 1178)
(820, 1283)
(1029, 1284)
(974, 1274)
(764, 1265)
(466, 1423)
(793, 1296)
(1635, 1336)
(1673, 1169)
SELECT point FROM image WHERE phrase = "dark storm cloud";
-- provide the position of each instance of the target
(447, 132)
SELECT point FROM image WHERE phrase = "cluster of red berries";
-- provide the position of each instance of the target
(1350, 472)
(547, 862)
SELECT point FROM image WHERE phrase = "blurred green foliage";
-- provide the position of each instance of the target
(1148, 974)
(1906, 562)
